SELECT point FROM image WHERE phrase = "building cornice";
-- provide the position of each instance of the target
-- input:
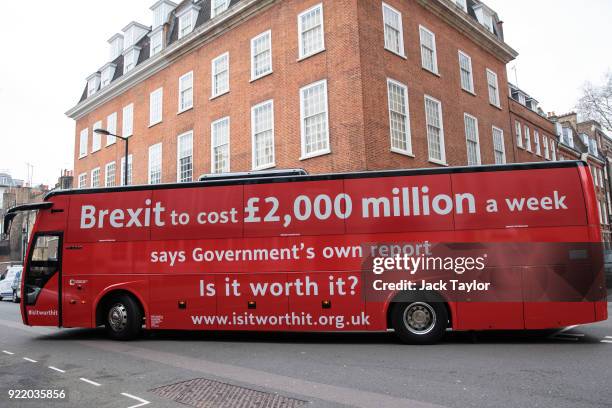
(199, 36)
(457, 18)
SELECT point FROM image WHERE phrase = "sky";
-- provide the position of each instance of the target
(562, 44)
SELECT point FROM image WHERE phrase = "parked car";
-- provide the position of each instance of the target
(8, 283)
(17, 288)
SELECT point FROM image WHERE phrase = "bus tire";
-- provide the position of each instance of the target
(123, 318)
(419, 322)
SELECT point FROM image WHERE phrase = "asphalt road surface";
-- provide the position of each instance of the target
(572, 368)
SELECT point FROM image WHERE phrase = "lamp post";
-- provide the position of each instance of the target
(125, 160)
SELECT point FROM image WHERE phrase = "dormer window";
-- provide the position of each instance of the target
(585, 140)
(132, 33)
(187, 19)
(157, 41)
(485, 16)
(462, 4)
(116, 46)
(591, 144)
(108, 72)
(568, 137)
(93, 83)
(521, 98)
(130, 58)
(218, 7)
(160, 10)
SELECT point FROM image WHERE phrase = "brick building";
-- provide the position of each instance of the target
(584, 141)
(535, 136)
(324, 85)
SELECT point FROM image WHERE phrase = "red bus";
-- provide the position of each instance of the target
(286, 252)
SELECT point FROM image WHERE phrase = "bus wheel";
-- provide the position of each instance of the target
(123, 318)
(420, 322)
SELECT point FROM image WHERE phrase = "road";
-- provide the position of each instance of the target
(542, 369)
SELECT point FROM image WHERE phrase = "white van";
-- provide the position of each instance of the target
(8, 283)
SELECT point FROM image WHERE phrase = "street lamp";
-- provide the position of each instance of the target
(125, 160)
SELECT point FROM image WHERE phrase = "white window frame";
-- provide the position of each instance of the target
(497, 102)
(182, 108)
(471, 89)
(106, 173)
(214, 76)
(111, 126)
(518, 133)
(527, 134)
(213, 146)
(253, 161)
(327, 149)
(130, 166)
(401, 51)
(536, 142)
(442, 160)
(462, 4)
(253, 55)
(83, 143)
(406, 113)
(156, 106)
(503, 145)
(545, 146)
(302, 54)
(601, 180)
(127, 125)
(434, 69)
(191, 13)
(212, 7)
(178, 157)
(157, 41)
(96, 138)
(466, 117)
(82, 180)
(95, 173)
(150, 164)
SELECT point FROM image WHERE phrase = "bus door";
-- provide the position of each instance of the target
(41, 281)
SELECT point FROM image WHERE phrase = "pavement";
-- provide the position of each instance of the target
(570, 368)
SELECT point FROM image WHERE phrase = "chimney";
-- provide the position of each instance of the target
(500, 30)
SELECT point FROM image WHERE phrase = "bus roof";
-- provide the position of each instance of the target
(267, 179)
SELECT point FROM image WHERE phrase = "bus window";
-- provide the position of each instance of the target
(43, 264)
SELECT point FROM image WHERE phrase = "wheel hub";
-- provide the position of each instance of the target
(117, 317)
(419, 318)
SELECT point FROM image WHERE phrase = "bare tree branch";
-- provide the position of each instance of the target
(596, 102)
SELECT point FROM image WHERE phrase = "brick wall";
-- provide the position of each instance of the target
(528, 119)
(356, 67)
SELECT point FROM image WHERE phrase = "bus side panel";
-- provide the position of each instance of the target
(539, 315)
(548, 315)
(169, 290)
(233, 301)
(547, 187)
(98, 211)
(344, 305)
